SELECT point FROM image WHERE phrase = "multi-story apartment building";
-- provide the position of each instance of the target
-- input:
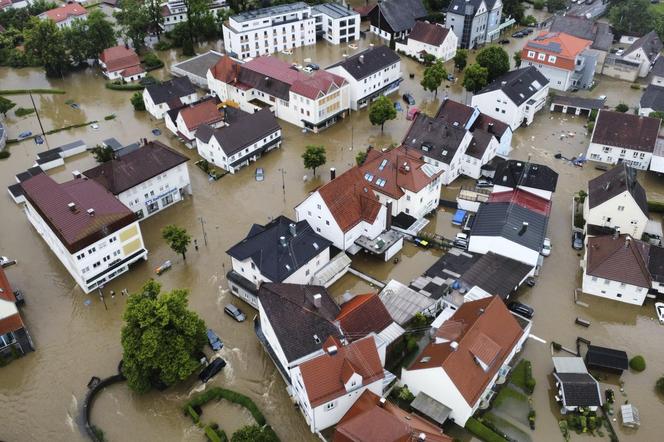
(336, 23)
(94, 235)
(474, 22)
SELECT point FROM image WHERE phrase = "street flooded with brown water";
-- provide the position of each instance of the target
(40, 394)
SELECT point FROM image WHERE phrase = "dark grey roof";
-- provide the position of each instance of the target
(581, 27)
(434, 138)
(656, 263)
(513, 173)
(496, 274)
(583, 103)
(112, 143)
(369, 61)
(614, 182)
(334, 10)
(519, 85)
(653, 98)
(608, 358)
(658, 67)
(135, 167)
(273, 259)
(650, 43)
(246, 130)
(269, 85)
(401, 15)
(626, 131)
(170, 90)
(479, 144)
(200, 64)
(507, 220)
(579, 390)
(301, 328)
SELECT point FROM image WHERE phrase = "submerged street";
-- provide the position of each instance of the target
(77, 336)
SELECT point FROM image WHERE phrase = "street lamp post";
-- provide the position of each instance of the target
(200, 218)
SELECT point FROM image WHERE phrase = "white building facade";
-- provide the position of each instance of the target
(498, 105)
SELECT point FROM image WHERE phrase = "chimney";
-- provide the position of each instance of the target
(381, 402)
(318, 298)
(72, 206)
(91, 212)
(332, 350)
(524, 228)
(292, 229)
(503, 83)
(490, 128)
(333, 173)
(361, 58)
(429, 126)
(282, 241)
(480, 311)
(616, 233)
(421, 437)
(76, 174)
(454, 345)
(388, 221)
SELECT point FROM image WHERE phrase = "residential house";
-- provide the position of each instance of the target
(244, 140)
(581, 27)
(293, 323)
(336, 23)
(94, 235)
(326, 386)
(644, 51)
(575, 105)
(14, 336)
(281, 251)
(374, 418)
(514, 97)
(312, 101)
(120, 62)
(474, 22)
(343, 210)
(64, 15)
(174, 12)
(402, 182)
(441, 144)
(394, 19)
(576, 388)
(184, 121)
(471, 352)
(6, 5)
(616, 202)
(652, 100)
(511, 224)
(470, 118)
(371, 73)
(171, 94)
(146, 180)
(563, 59)
(623, 138)
(429, 38)
(530, 177)
(657, 72)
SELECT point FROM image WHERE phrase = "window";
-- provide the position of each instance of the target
(152, 208)
(594, 278)
(329, 406)
(607, 282)
(621, 208)
(531, 54)
(168, 199)
(8, 339)
(112, 240)
(552, 58)
(327, 222)
(541, 57)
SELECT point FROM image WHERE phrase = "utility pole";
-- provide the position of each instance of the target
(101, 296)
(40, 124)
(200, 218)
(283, 182)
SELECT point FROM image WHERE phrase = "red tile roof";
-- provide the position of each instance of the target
(118, 58)
(226, 70)
(619, 259)
(132, 70)
(324, 376)
(430, 33)
(362, 315)
(488, 330)
(318, 84)
(369, 421)
(524, 199)
(5, 4)
(11, 322)
(64, 12)
(203, 112)
(563, 46)
(401, 169)
(76, 228)
(349, 200)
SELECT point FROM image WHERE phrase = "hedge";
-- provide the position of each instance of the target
(219, 393)
(212, 435)
(4, 154)
(23, 111)
(483, 432)
(194, 416)
(655, 207)
(28, 91)
(124, 87)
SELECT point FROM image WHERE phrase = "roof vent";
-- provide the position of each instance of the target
(318, 299)
(381, 402)
(91, 212)
(72, 207)
(503, 83)
(332, 350)
(361, 59)
(292, 229)
(421, 437)
(480, 311)
(316, 339)
(454, 345)
(282, 241)
(77, 174)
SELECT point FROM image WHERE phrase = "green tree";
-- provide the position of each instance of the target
(161, 338)
(428, 59)
(134, 22)
(529, 20)
(314, 157)
(517, 58)
(137, 101)
(461, 59)
(381, 111)
(100, 33)
(660, 385)
(657, 114)
(514, 9)
(622, 107)
(102, 154)
(254, 433)
(637, 363)
(633, 16)
(156, 20)
(433, 77)
(555, 5)
(197, 11)
(361, 157)
(538, 5)
(495, 60)
(5, 105)
(177, 239)
(475, 78)
(46, 43)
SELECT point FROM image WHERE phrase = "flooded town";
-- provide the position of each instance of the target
(476, 256)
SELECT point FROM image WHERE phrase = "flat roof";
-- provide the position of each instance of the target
(269, 12)
(334, 10)
(431, 408)
(200, 64)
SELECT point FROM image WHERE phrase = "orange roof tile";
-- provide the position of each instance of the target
(203, 112)
(362, 315)
(563, 46)
(490, 332)
(226, 70)
(65, 11)
(118, 58)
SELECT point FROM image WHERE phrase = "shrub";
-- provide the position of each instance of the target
(529, 20)
(137, 101)
(660, 385)
(163, 45)
(590, 126)
(655, 207)
(622, 107)
(118, 86)
(579, 222)
(635, 86)
(152, 62)
(557, 346)
(232, 396)
(405, 394)
(483, 432)
(110, 117)
(538, 5)
(411, 344)
(4, 154)
(23, 111)
(637, 363)
(27, 91)
(211, 434)
(592, 116)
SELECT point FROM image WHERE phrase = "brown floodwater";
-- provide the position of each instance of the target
(40, 394)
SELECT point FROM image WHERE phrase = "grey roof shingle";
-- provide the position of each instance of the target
(434, 138)
(401, 15)
(519, 85)
(300, 327)
(369, 61)
(653, 98)
(658, 68)
(650, 43)
(274, 260)
(514, 173)
(458, 6)
(496, 274)
(581, 27)
(200, 64)
(579, 390)
(656, 263)
(614, 182)
(170, 90)
(506, 220)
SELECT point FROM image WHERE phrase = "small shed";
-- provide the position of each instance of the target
(606, 359)
(431, 408)
(630, 416)
(575, 105)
